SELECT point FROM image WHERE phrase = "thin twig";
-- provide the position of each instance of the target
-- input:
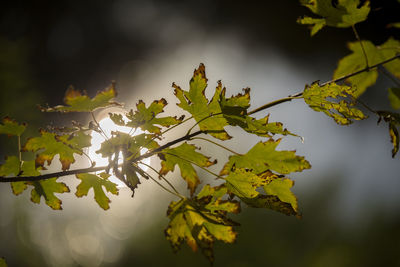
(162, 176)
(362, 46)
(98, 126)
(389, 75)
(215, 143)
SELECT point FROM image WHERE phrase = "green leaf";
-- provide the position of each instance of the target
(318, 98)
(263, 156)
(234, 110)
(89, 181)
(49, 144)
(281, 188)
(394, 97)
(10, 167)
(393, 25)
(394, 138)
(146, 118)
(77, 102)
(345, 13)
(10, 127)
(183, 156)
(47, 189)
(355, 62)
(28, 169)
(207, 114)
(201, 221)
(243, 183)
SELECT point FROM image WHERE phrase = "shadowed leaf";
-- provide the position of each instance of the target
(343, 14)
(281, 188)
(394, 97)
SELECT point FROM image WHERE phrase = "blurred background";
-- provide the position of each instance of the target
(349, 199)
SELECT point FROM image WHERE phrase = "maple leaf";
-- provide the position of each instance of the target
(356, 62)
(394, 97)
(234, 110)
(344, 14)
(184, 156)
(77, 102)
(280, 187)
(206, 113)
(49, 144)
(47, 189)
(202, 220)
(146, 118)
(28, 168)
(263, 156)
(96, 182)
(270, 202)
(243, 183)
(343, 112)
(11, 128)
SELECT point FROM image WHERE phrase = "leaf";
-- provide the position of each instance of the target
(184, 156)
(394, 97)
(47, 189)
(77, 102)
(344, 14)
(89, 181)
(263, 156)
(343, 112)
(207, 114)
(146, 118)
(270, 202)
(201, 220)
(49, 144)
(393, 120)
(393, 25)
(10, 167)
(11, 128)
(234, 110)
(281, 188)
(243, 183)
(355, 62)
(28, 169)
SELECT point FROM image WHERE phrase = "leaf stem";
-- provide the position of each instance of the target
(162, 176)
(194, 163)
(19, 152)
(340, 79)
(215, 143)
(203, 119)
(98, 125)
(362, 46)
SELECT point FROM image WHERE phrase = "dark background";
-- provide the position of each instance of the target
(45, 46)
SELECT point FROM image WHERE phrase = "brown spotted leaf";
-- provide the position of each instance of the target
(11, 128)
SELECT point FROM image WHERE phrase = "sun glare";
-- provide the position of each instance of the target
(108, 126)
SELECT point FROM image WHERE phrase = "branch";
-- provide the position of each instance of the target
(300, 94)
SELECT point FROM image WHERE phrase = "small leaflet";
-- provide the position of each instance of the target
(321, 99)
(343, 14)
(96, 182)
(185, 156)
(76, 101)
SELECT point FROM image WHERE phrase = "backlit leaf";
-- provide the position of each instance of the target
(183, 156)
(270, 202)
(201, 220)
(10, 127)
(47, 189)
(388, 50)
(10, 167)
(49, 144)
(394, 97)
(28, 169)
(207, 114)
(89, 181)
(263, 156)
(146, 118)
(77, 102)
(320, 98)
(243, 183)
(343, 14)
